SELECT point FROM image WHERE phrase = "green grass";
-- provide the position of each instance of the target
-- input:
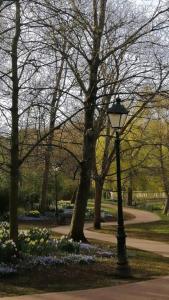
(111, 209)
(143, 265)
(157, 231)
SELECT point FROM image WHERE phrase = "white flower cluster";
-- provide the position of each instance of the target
(64, 244)
(4, 225)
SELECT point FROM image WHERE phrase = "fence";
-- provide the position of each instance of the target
(139, 196)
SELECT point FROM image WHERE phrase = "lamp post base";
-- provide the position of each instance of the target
(123, 270)
(121, 243)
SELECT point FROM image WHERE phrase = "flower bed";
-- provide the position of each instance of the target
(37, 248)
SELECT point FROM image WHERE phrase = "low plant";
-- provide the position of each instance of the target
(39, 233)
(39, 247)
(36, 241)
(4, 231)
(65, 244)
(65, 204)
(8, 250)
(33, 214)
(31, 262)
(79, 259)
(6, 270)
(89, 213)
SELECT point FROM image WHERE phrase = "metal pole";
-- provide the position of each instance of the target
(121, 236)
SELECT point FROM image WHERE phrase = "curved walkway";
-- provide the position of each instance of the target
(141, 216)
(156, 289)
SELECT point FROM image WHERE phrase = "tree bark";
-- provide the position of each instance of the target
(165, 181)
(78, 218)
(14, 173)
(98, 199)
(54, 107)
(44, 202)
(130, 196)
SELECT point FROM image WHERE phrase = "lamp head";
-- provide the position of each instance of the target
(117, 114)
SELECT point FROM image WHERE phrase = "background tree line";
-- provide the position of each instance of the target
(63, 63)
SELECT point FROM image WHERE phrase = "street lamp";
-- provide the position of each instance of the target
(117, 114)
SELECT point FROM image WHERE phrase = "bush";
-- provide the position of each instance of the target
(4, 201)
(65, 204)
(38, 234)
(68, 245)
(37, 242)
(38, 247)
(28, 200)
(6, 270)
(4, 231)
(89, 214)
(33, 214)
(8, 250)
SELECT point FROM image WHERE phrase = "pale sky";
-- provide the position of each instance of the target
(149, 3)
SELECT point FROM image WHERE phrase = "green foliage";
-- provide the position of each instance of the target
(37, 247)
(68, 245)
(89, 213)
(36, 242)
(33, 213)
(28, 199)
(8, 251)
(67, 188)
(151, 206)
(4, 200)
(65, 204)
(4, 231)
(8, 248)
(38, 234)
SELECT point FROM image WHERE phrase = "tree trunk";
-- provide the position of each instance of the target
(78, 218)
(166, 206)
(165, 181)
(130, 196)
(56, 194)
(44, 203)
(98, 199)
(14, 173)
(54, 107)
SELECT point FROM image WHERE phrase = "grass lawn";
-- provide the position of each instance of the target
(30, 224)
(111, 209)
(157, 231)
(143, 265)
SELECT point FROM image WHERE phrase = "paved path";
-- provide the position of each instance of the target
(160, 248)
(141, 216)
(157, 289)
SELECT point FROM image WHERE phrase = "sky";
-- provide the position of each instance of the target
(149, 3)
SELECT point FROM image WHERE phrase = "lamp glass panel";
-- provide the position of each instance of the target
(115, 120)
(122, 120)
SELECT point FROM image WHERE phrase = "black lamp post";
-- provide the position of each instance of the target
(117, 115)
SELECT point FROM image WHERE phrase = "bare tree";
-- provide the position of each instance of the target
(99, 36)
(89, 31)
